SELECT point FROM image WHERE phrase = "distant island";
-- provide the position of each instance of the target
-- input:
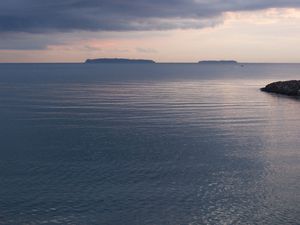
(119, 60)
(218, 62)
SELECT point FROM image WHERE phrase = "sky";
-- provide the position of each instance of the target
(162, 30)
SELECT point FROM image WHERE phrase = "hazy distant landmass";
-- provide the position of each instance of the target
(218, 62)
(118, 60)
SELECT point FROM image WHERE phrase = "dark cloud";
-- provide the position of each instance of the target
(42, 16)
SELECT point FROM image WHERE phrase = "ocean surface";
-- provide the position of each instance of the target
(162, 144)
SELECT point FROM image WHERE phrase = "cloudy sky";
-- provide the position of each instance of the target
(163, 30)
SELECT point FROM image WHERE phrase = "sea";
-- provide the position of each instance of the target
(148, 144)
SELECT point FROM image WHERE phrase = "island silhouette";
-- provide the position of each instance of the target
(218, 62)
(119, 60)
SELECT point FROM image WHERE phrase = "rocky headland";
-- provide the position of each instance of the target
(291, 87)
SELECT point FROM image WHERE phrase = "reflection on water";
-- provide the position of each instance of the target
(189, 151)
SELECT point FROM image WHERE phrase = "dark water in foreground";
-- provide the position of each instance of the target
(148, 144)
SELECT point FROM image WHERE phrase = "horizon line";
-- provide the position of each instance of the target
(153, 63)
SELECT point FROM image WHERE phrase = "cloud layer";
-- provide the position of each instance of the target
(37, 16)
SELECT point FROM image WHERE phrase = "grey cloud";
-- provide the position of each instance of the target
(36, 24)
(36, 16)
(26, 41)
(146, 50)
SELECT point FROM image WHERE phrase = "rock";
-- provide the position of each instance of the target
(291, 87)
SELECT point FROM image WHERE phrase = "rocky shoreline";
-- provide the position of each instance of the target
(291, 87)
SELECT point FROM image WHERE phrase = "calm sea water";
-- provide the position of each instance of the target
(148, 144)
